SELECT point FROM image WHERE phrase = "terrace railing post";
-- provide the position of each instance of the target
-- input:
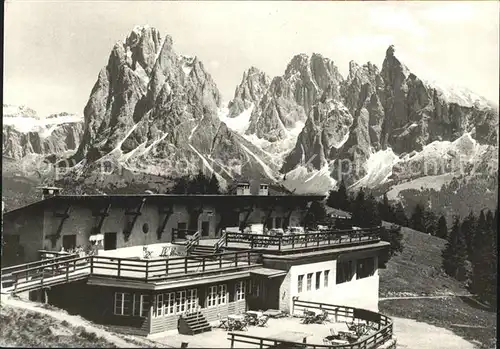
(248, 257)
(236, 259)
(166, 266)
(307, 239)
(186, 265)
(293, 242)
(147, 270)
(91, 264)
(67, 272)
(317, 239)
(261, 343)
(119, 266)
(279, 243)
(232, 340)
(220, 261)
(203, 264)
(225, 238)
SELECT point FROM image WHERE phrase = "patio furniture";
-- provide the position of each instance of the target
(274, 313)
(333, 333)
(262, 321)
(251, 319)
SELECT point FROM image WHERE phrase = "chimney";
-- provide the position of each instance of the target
(264, 189)
(48, 192)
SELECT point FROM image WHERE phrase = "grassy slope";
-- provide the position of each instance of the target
(418, 271)
(25, 328)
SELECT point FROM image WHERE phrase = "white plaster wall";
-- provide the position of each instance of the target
(362, 293)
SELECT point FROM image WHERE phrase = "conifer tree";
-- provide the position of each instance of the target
(400, 215)
(469, 229)
(455, 253)
(343, 199)
(359, 208)
(372, 216)
(430, 222)
(442, 229)
(213, 185)
(385, 210)
(417, 218)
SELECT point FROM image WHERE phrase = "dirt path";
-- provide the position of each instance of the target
(412, 334)
(424, 297)
(71, 319)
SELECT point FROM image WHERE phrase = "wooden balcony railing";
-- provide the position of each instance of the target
(128, 268)
(309, 239)
(382, 324)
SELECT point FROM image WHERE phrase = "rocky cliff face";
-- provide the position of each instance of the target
(249, 92)
(25, 133)
(393, 113)
(155, 111)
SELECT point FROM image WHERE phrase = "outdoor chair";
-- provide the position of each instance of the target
(262, 321)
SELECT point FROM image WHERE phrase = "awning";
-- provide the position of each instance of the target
(268, 272)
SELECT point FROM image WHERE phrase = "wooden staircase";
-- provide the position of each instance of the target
(193, 323)
(201, 250)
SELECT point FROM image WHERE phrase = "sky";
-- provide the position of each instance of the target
(54, 50)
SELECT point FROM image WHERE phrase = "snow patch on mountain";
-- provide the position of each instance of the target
(464, 149)
(302, 181)
(378, 168)
(238, 124)
(44, 126)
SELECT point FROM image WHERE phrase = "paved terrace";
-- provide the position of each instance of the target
(291, 329)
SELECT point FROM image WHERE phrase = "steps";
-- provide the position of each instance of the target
(193, 323)
(201, 250)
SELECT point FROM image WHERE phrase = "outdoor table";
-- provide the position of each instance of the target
(273, 313)
(236, 317)
(256, 314)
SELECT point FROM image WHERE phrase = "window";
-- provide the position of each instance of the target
(212, 296)
(300, 283)
(159, 305)
(169, 303)
(239, 293)
(123, 303)
(222, 296)
(309, 281)
(327, 272)
(180, 302)
(318, 280)
(217, 295)
(365, 268)
(144, 308)
(345, 271)
(192, 300)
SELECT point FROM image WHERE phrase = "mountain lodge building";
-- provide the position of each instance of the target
(158, 258)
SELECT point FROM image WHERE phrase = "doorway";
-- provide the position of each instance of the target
(181, 230)
(205, 227)
(69, 242)
(109, 241)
